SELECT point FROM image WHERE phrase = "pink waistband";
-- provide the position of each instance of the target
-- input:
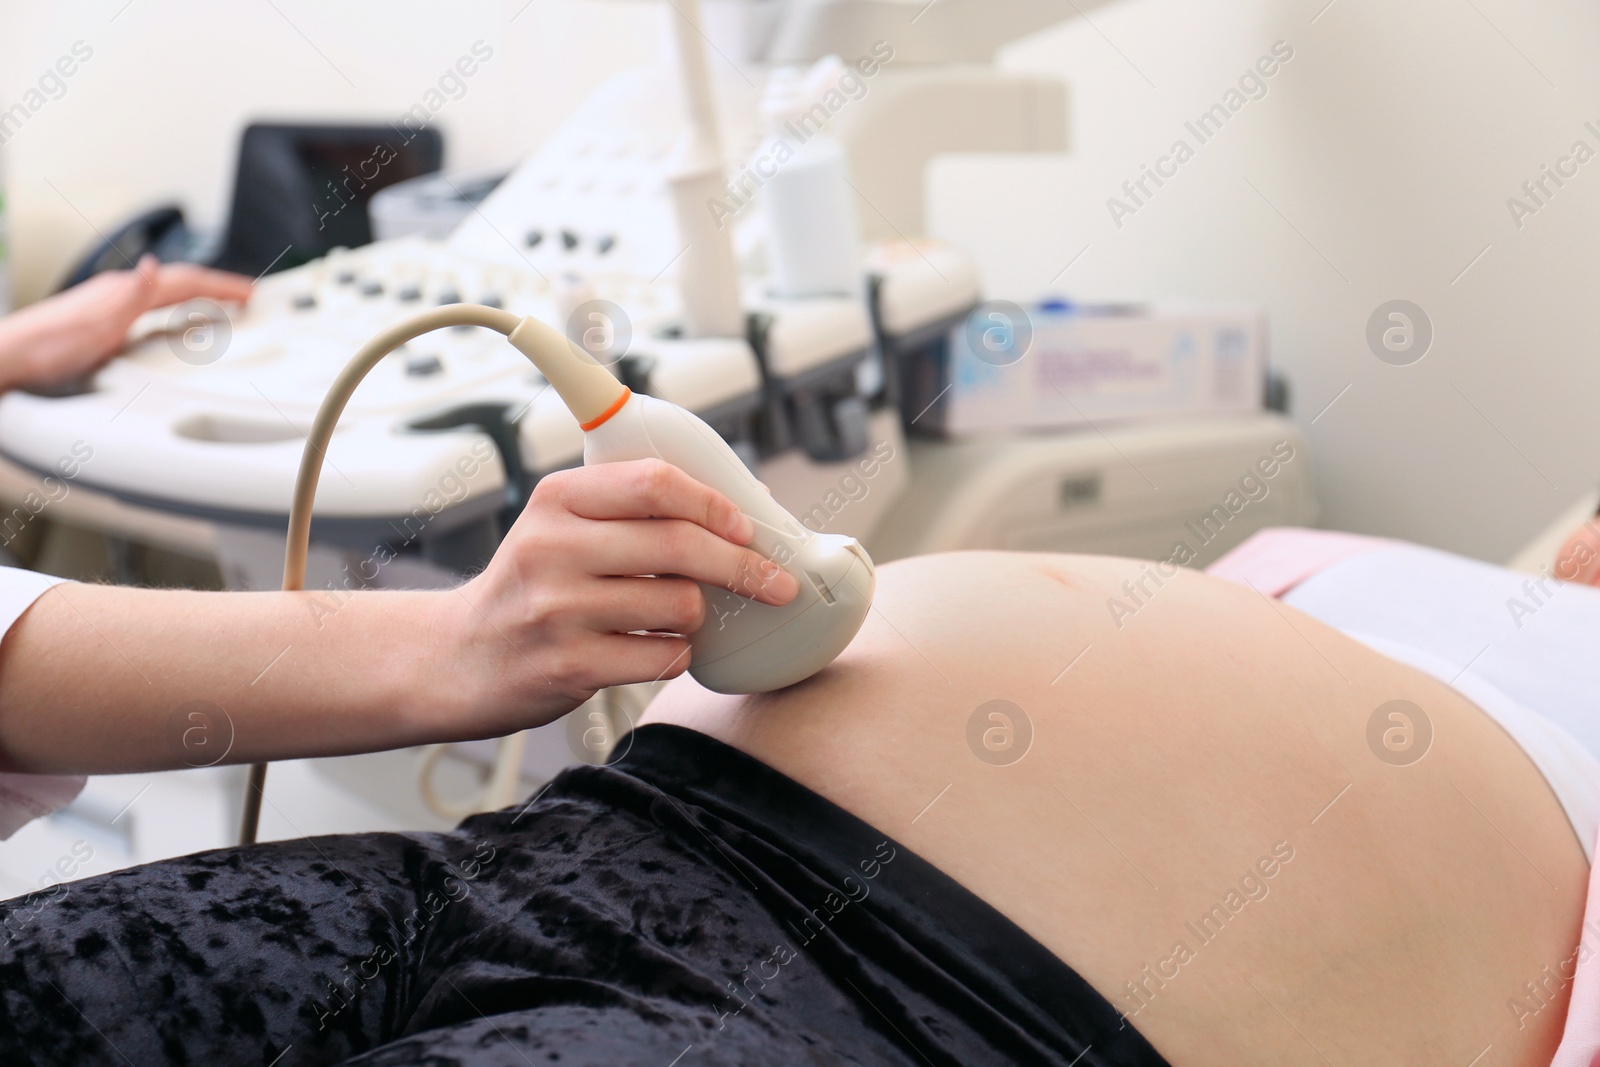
(1277, 559)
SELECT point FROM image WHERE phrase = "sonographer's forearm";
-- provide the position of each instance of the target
(104, 679)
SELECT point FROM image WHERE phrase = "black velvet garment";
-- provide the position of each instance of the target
(686, 905)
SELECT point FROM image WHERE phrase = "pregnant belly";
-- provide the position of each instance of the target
(1262, 841)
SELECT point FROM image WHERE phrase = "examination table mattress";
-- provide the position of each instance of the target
(686, 902)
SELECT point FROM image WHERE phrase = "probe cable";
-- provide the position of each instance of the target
(311, 460)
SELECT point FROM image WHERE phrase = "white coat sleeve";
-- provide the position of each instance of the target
(25, 797)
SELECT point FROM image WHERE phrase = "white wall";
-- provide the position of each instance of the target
(156, 112)
(1389, 144)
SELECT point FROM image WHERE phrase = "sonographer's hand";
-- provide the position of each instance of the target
(91, 675)
(557, 613)
(72, 333)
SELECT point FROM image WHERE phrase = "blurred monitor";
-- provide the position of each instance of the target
(302, 190)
